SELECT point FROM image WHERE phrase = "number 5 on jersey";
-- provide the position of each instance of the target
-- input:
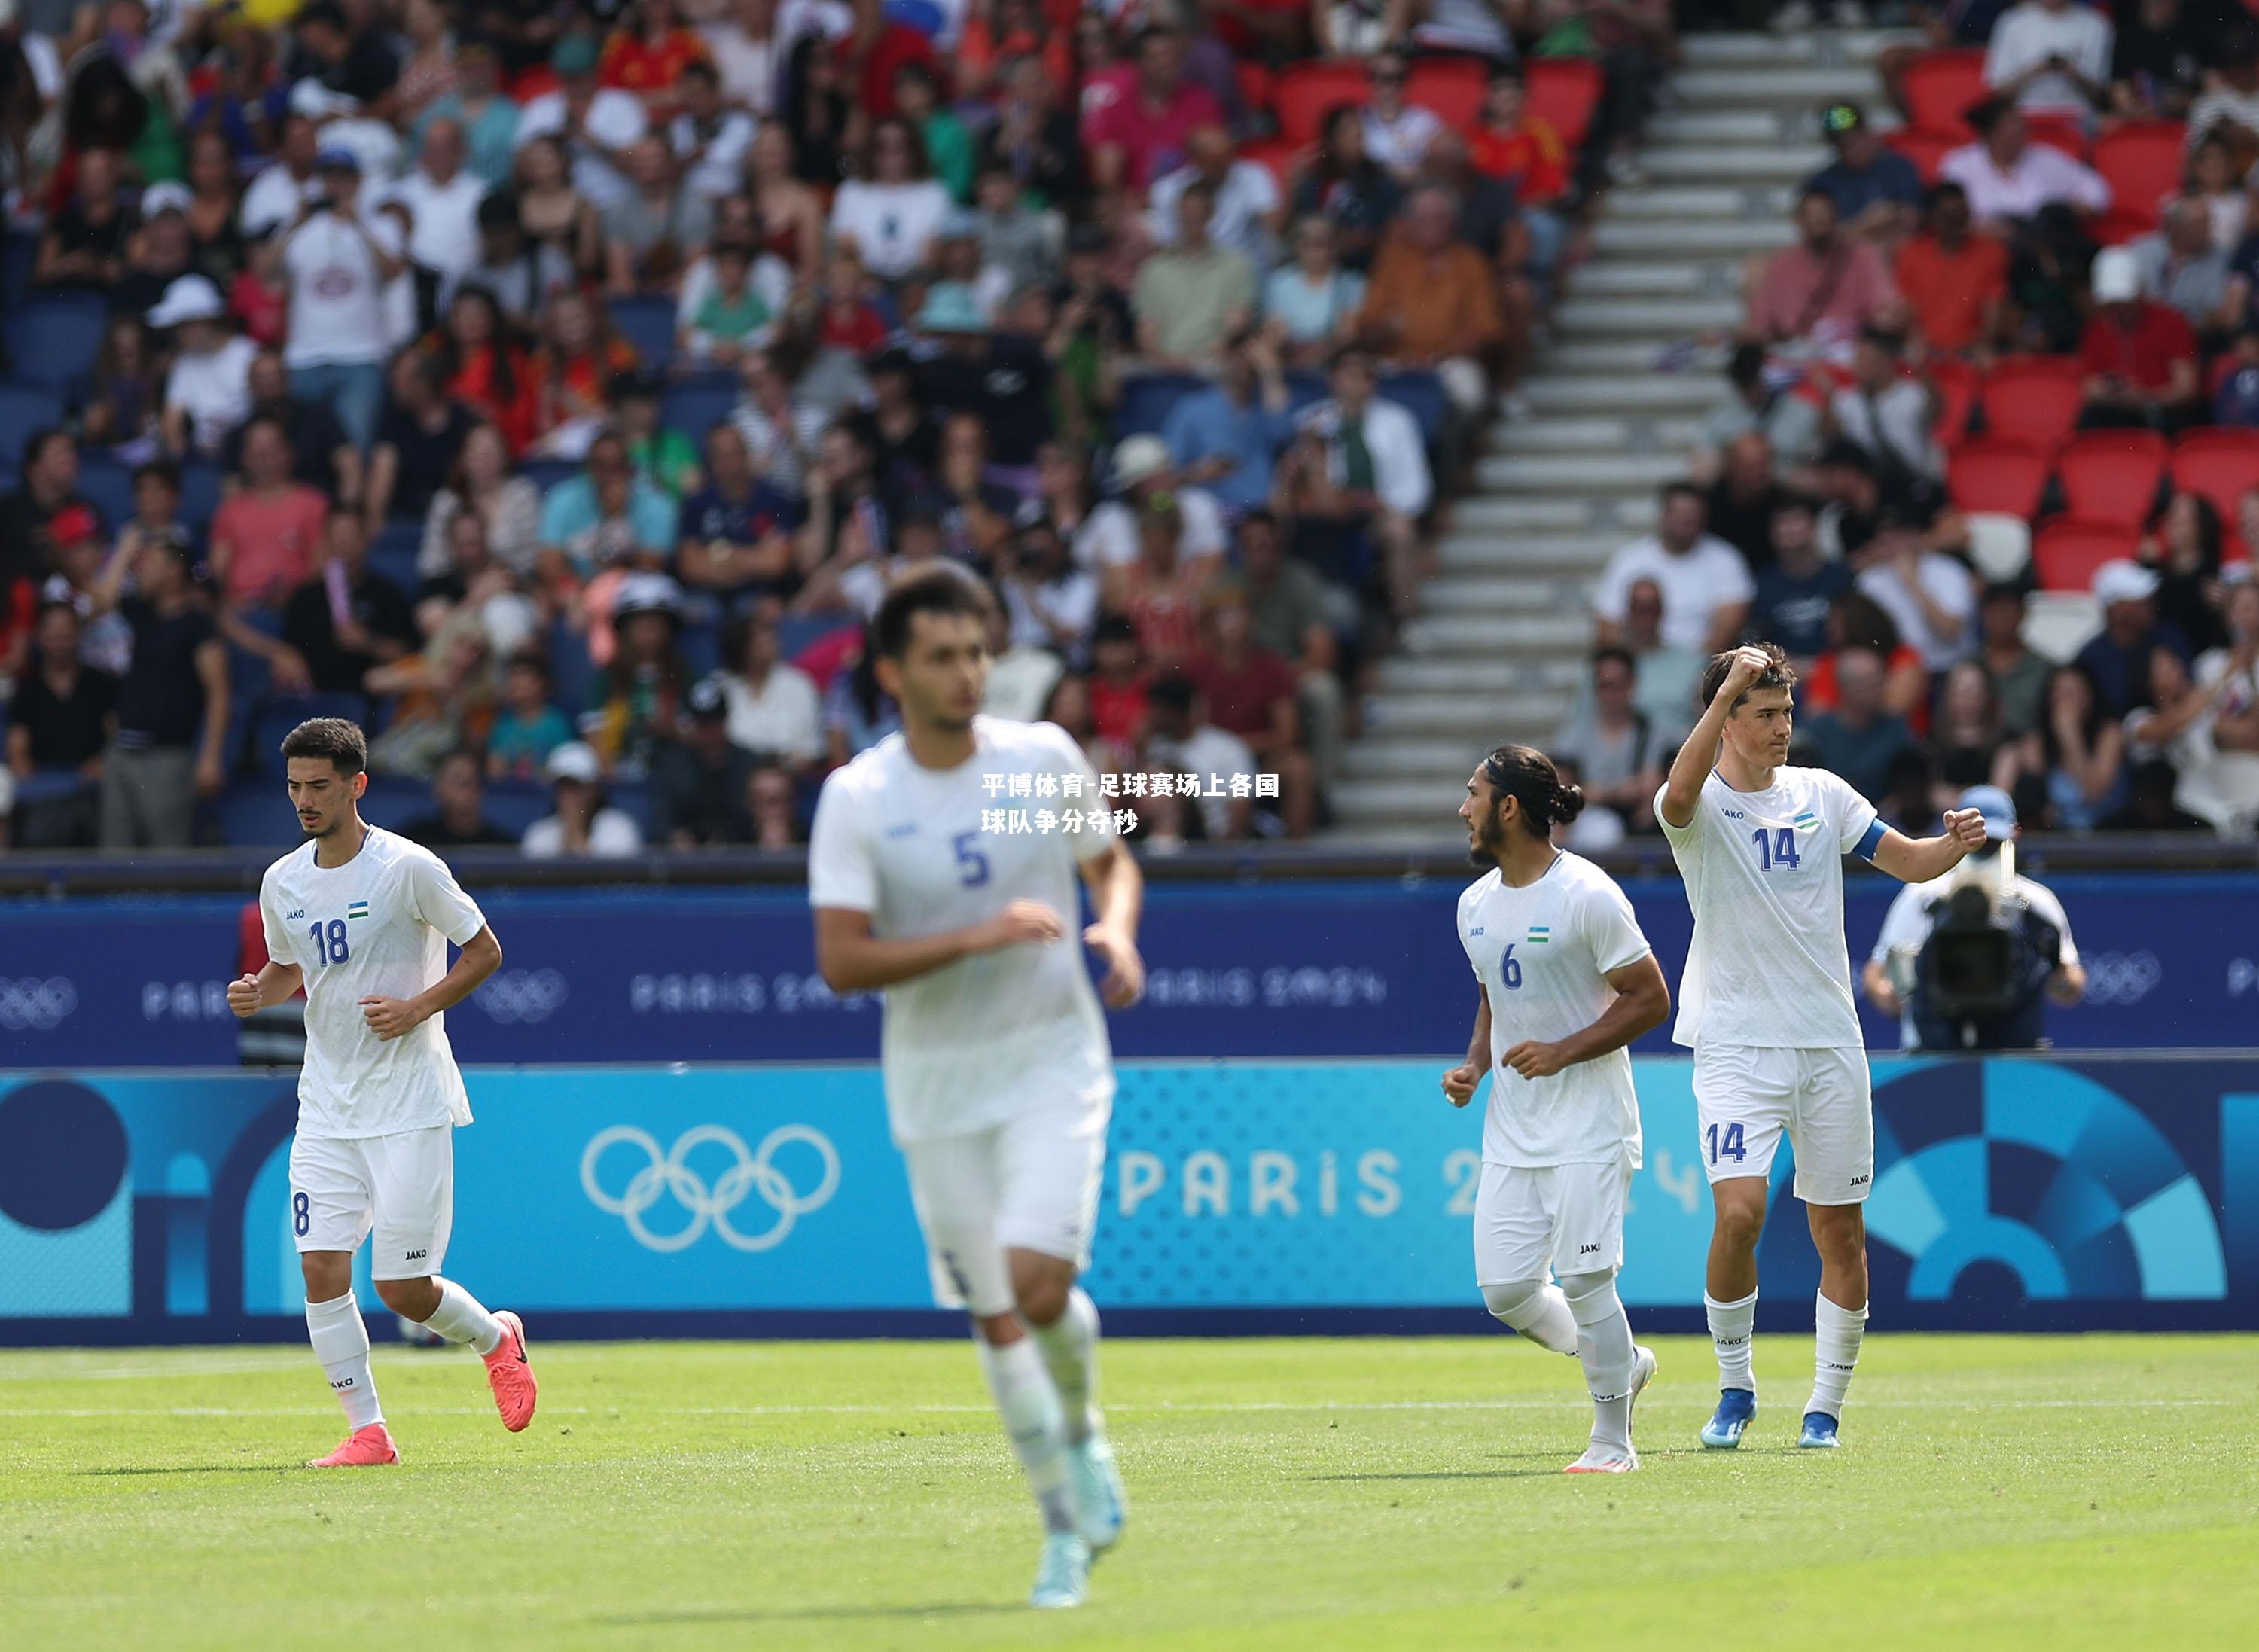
(971, 865)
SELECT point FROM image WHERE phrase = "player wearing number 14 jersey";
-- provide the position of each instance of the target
(1567, 980)
(1766, 1004)
(361, 919)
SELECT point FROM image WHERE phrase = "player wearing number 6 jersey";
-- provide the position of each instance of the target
(362, 919)
(999, 1076)
(1766, 1004)
(1567, 980)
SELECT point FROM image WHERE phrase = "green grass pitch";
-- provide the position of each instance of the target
(2009, 1492)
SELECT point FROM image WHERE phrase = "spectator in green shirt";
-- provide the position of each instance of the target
(948, 146)
(664, 458)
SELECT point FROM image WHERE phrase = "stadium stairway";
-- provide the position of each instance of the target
(1616, 399)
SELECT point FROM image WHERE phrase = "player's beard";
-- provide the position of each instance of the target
(1490, 839)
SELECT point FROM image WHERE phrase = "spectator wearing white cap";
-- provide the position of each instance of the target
(1891, 969)
(584, 823)
(2118, 659)
(2139, 356)
(160, 251)
(208, 388)
(339, 261)
(1142, 468)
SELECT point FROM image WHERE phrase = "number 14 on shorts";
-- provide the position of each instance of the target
(1728, 1145)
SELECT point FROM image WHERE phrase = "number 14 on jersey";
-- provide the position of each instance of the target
(1776, 848)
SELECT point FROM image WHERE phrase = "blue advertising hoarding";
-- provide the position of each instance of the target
(1250, 1195)
(1280, 969)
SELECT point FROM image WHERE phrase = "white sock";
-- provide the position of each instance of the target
(1604, 1348)
(1032, 1417)
(1838, 1332)
(341, 1344)
(1733, 1331)
(1538, 1312)
(1070, 1348)
(461, 1318)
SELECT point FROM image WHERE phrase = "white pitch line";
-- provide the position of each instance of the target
(1221, 1407)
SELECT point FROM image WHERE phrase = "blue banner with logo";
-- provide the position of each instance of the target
(1252, 1195)
(1306, 969)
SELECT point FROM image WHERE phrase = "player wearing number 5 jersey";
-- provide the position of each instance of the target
(362, 919)
(999, 1076)
(1567, 980)
(1766, 1004)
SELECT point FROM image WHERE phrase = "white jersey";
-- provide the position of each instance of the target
(1764, 874)
(377, 927)
(1000, 1034)
(1543, 954)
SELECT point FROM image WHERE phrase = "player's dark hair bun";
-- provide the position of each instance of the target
(1529, 777)
(1568, 802)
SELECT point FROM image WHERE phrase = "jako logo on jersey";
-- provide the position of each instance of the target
(1860, 1181)
(908, 829)
(515, 996)
(294, 914)
(671, 1174)
(415, 1256)
(1733, 814)
(1478, 930)
(1588, 1251)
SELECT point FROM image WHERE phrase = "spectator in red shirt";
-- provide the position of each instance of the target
(1117, 691)
(1162, 590)
(1821, 291)
(1252, 693)
(1140, 132)
(873, 51)
(648, 56)
(1515, 146)
(1954, 281)
(2139, 356)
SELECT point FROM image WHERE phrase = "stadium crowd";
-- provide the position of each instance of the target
(553, 386)
(2001, 388)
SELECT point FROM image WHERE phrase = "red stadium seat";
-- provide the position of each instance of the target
(2067, 550)
(2059, 131)
(2033, 399)
(1926, 149)
(2142, 162)
(1452, 87)
(1940, 87)
(1994, 474)
(1305, 92)
(1956, 383)
(1254, 86)
(1277, 156)
(2221, 465)
(2119, 225)
(1566, 91)
(2112, 475)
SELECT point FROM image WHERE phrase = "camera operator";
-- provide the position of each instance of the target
(1967, 962)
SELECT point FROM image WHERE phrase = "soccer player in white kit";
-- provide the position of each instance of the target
(361, 918)
(1567, 981)
(999, 1075)
(1766, 1004)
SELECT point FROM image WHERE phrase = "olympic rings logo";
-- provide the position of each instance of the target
(32, 1005)
(670, 1173)
(521, 995)
(2121, 978)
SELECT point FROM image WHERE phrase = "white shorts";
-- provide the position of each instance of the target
(1558, 1218)
(401, 1188)
(1030, 1183)
(1744, 1097)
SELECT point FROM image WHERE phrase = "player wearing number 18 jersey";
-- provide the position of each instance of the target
(362, 919)
(999, 1076)
(1567, 981)
(1766, 1004)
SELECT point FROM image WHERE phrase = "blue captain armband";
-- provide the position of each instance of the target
(1872, 841)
